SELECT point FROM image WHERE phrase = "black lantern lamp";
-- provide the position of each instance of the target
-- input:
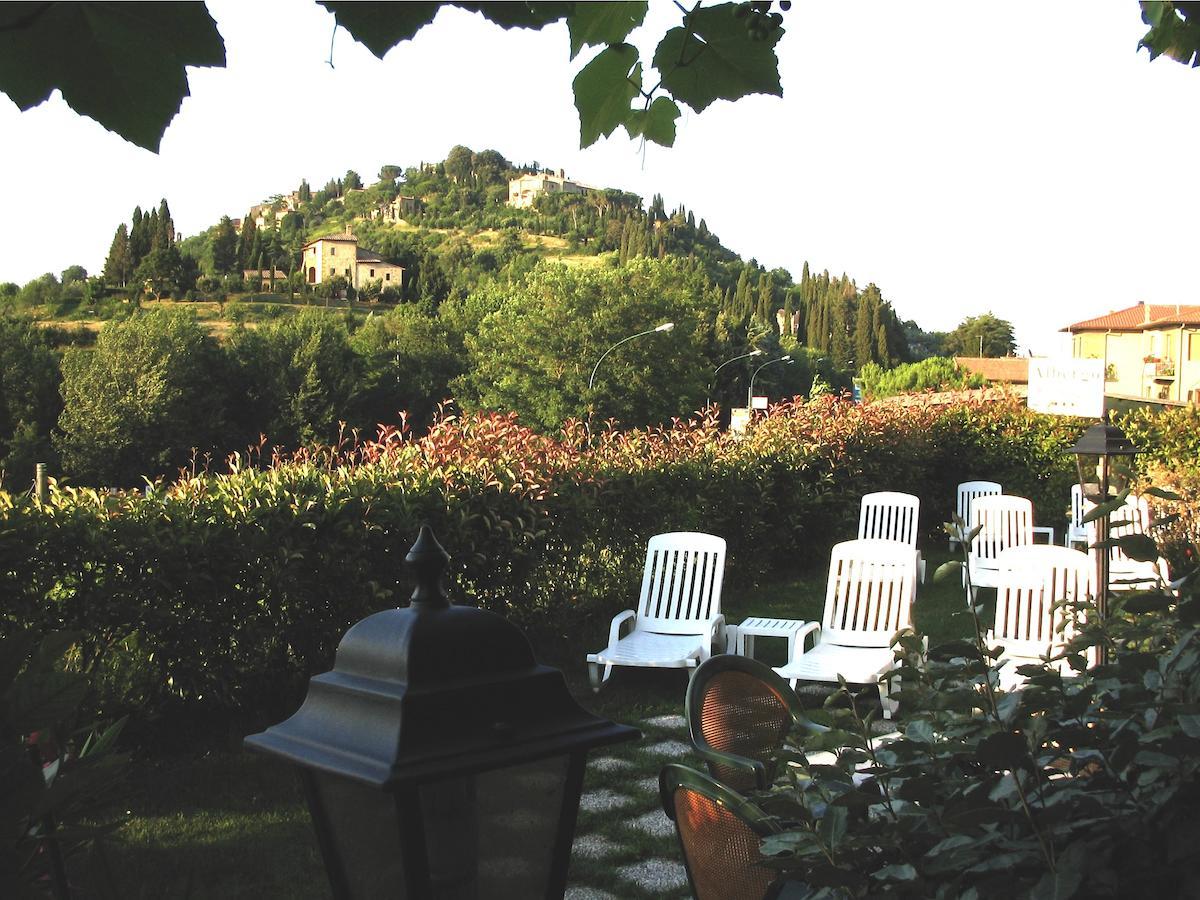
(438, 758)
(1100, 462)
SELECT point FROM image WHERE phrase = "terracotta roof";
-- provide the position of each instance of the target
(1136, 318)
(1187, 315)
(1009, 369)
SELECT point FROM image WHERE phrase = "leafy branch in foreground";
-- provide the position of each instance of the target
(53, 776)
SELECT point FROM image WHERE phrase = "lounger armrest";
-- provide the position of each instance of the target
(813, 628)
(716, 631)
(1047, 530)
(614, 630)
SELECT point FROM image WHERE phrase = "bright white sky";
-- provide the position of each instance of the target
(1018, 157)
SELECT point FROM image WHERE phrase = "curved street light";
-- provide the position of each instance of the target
(750, 393)
(713, 382)
(665, 326)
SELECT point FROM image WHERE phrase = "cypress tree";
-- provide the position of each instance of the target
(864, 334)
(117, 268)
(246, 243)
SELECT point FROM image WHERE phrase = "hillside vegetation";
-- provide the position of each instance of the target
(499, 308)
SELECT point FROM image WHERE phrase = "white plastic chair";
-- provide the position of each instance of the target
(868, 599)
(679, 613)
(1033, 621)
(1126, 574)
(1004, 521)
(1077, 532)
(891, 516)
(967, 492)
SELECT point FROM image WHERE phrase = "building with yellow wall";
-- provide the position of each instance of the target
(1149, 350)
(339, 255)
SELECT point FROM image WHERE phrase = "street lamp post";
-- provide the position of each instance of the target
(665, 326)
(750, 392)
(1094, 454)
(713, 383)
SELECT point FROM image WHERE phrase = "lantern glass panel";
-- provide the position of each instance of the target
(494, 834)
(365, 831)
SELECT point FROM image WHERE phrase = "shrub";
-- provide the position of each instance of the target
(227, 591)
(1081, 786)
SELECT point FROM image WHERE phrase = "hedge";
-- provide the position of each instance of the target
(225, 592)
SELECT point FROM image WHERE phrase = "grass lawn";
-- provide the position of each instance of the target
(234, 825)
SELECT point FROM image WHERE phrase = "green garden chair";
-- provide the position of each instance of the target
(740, 712)
(719, 833)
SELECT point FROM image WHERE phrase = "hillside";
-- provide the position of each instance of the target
(495, 306)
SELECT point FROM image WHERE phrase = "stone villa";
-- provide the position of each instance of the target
(333, 255)
(523, 191)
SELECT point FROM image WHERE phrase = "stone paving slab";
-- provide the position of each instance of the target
(669, 748)
(656, 875)
(654, 823)
(647, 785)
(582, 892)
(609, 764)
(594, 846)
(672, 721)
(597, 801)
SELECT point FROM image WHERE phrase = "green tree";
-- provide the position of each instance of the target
(29, 399)
(984, 335)
(536, 351)
(351, 181)
(407, 362)
(137, 404)
(163, 272)
(119, 264)
(300, 376)
(458, 163)
(225, 247)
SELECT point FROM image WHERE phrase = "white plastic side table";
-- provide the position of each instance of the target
(741, 637)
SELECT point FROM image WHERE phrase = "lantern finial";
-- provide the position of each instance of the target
(428, 561)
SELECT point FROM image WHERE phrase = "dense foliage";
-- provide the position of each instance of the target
(725, 51)
(934, 373)
(1083, 784)
(226, 592)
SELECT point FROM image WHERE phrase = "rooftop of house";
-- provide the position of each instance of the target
(1140, 317)
(1008, 369)
(371, 256)
(340, 238)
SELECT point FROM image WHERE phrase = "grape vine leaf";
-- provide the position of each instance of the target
(121, 64)
(656, 123)
(1174, 30)
(604, 90)
(603, 23)
(380, 26)
(713, 57)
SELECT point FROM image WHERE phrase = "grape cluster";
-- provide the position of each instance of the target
(761, 23)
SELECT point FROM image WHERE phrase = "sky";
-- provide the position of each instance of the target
(1018, 158)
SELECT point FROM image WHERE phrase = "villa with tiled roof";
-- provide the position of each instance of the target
(1149, 350)
(339, 255)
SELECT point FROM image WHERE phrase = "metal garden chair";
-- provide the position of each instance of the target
(740, 714)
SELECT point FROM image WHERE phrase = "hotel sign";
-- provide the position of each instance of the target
(1066, 386)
